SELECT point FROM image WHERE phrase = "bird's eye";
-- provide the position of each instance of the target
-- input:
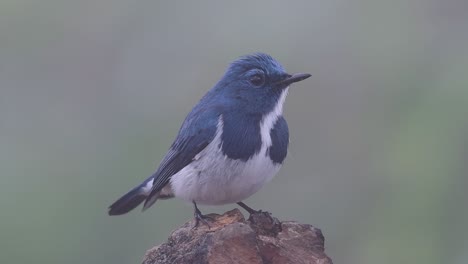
(257, 79)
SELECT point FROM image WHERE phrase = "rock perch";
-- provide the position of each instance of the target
(232, 239)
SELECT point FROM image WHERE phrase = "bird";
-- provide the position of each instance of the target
(234, 141)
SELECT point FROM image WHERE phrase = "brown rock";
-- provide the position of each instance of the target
(231, 239)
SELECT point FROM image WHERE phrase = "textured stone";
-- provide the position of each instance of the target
(230, 239)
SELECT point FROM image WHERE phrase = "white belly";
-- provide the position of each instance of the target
(216, 180)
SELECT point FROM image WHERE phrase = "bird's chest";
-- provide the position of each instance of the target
(217, 177)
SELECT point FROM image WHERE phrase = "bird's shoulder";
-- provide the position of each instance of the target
(200, 124)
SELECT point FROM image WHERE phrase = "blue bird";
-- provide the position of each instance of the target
(231, 143)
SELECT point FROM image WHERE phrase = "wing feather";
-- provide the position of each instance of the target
(196, 133)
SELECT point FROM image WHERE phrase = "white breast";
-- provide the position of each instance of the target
(213, 178)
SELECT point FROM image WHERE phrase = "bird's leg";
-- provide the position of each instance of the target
(248, 209)
(199, 216)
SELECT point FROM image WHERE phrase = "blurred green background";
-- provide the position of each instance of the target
(93, 92)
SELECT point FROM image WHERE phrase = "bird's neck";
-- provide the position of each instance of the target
(269, 119)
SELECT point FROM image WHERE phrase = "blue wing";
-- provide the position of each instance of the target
(196, 133)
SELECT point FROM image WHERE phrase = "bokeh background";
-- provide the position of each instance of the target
(93, 92)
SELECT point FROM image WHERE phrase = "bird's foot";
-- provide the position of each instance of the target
(199, 217)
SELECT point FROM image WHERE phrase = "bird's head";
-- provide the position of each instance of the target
(254, 83)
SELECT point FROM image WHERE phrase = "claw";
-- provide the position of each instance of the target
(199, 217)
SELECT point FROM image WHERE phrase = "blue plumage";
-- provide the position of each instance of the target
(241, 135)
(280, 140)
(231, 143)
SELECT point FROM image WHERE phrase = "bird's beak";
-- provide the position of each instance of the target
(297, 77)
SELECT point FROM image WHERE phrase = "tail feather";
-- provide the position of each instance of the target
(149, 201)
(131, 199)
